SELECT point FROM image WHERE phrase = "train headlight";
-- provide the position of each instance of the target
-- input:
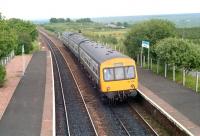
(108, 88)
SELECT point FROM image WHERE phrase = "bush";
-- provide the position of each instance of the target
(152, 31)
(2, 75)
(24, 39)
(180, 52)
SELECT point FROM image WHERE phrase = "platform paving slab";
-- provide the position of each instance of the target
(24, 112)
(179, 102)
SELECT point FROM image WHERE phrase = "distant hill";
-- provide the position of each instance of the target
(181, 20)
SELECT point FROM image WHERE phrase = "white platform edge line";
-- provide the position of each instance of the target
(53, 98)
(167, 114)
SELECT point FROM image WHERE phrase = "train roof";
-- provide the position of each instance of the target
(99, 52)
(75, 37)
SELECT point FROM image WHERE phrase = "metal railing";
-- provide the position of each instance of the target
(4, 61)
(142, 63)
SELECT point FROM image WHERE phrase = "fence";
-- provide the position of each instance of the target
(4, 61)
(165, 69)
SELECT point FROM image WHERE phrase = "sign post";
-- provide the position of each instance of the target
(141, 57)
(145, 44)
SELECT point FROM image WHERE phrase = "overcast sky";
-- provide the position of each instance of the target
(44, 9)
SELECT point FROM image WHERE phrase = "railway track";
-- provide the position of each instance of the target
(149, 127)
(73, 116)
(130, 121)
(108, 120)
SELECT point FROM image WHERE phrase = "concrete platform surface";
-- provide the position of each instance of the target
(180, 103)
(24, 113)
(48, 119)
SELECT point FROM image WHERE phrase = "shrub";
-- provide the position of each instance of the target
(2, 75)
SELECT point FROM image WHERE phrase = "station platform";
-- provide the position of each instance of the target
(28, 113)
(180, 104)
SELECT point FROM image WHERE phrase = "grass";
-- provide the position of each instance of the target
(190, 81)
(36, 46)
(94, 31)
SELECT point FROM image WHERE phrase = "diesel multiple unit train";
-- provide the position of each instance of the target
(113, 73)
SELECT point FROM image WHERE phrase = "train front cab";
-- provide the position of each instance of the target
(118, 78)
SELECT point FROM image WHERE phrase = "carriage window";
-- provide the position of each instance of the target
(108, 74)
(119, 73)
(129, 72)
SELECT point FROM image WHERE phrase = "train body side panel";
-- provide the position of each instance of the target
(119, 85)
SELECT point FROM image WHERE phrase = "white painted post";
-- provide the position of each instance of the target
(144, 63)
(148, 56)
(13, 53)
(183, 77)
(165, 70)
(197, 81)
(174, 72)
(157, 66)
(4, 61)
(151, 63)
(7, 60)
(23, 62)
(141, 56)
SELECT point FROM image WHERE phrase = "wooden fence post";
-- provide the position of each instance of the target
(174, 72)
(157, 66)
(183, 76)
(165, 70)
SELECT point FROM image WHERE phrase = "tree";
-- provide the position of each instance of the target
(60, 20)
(24, 39)
(179, 52)
(13, 34)
(53, 20)
(84, 20)
(67, 20)
(8, 39)
(125, 24)
(119, 24)
(26, 33)
(152, 31)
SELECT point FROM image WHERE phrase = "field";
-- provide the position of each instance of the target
(111, 37)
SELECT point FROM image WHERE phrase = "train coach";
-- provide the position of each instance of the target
(113, 73)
